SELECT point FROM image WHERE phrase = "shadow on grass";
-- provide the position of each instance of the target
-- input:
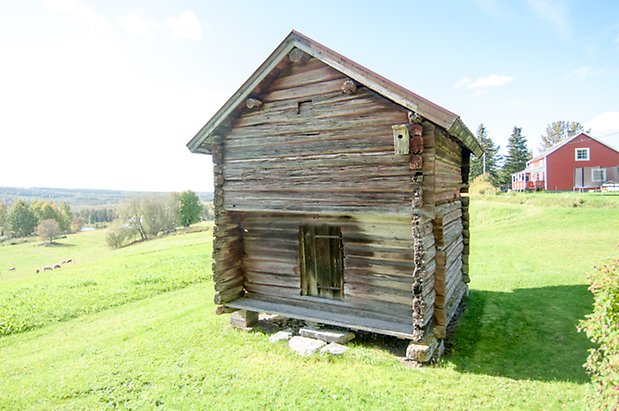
(56, 245)
(527, 334)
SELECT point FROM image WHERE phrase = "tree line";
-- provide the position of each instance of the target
(142, 218)
(137, 218)
(22, 219)
(97, 215)
(499, 168)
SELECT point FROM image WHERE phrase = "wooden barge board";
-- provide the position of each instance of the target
(342, 318)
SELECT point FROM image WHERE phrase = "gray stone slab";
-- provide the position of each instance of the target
(334, 349)
(283, 335)
(425, 351)
(305, 346)
(327, 334)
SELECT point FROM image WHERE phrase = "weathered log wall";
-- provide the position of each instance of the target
(378, 264)
(228, 239)
(310, 147)
(448, 229)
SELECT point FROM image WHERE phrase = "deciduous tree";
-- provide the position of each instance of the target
(66, 216)
(559, 130)
(131, 215)
(21, 220)
(77, 223)
(159, 214)
(149, 215)
(3, 212)
(189, 208)
(49, 229)
(45, 210)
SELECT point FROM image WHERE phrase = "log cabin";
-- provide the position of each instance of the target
(340, 199)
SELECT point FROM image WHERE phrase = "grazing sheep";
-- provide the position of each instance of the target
(57, 266)
(69, 260)
(47, 268)
(37, 271)
(12, 269)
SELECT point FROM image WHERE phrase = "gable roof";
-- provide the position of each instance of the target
(561, 143)
(386, 88)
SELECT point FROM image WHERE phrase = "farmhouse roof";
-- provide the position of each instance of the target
(451, 122)
(561, 143)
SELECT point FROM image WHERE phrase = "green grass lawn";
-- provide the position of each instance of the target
(96, 279)
(145, 335)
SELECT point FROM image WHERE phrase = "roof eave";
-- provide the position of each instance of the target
(461, 132)
(242, 93)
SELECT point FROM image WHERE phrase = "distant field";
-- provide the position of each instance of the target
(134, 328)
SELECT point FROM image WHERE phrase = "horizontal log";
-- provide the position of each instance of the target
(224, 297)
(305, 91)
(314, 74)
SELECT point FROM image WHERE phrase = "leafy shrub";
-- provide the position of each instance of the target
(120, 235)
(602, 327)
(482, 185)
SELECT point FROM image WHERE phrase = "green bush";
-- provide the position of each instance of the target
(120, 235)
(602, 327)
(482, 185)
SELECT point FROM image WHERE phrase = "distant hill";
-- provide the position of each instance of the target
(77, 198)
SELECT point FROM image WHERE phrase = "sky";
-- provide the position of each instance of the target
(106, 94)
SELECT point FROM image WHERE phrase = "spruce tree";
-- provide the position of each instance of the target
(491, 157)
(517, 155)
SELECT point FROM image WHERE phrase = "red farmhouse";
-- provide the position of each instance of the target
(577, 163)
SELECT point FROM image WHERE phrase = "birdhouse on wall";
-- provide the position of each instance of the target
(401, 139)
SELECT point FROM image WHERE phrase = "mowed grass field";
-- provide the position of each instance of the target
(135, 328)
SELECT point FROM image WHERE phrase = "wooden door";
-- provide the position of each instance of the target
(321, 260)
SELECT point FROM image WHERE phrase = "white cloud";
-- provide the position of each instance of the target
(554, 13)
(491, 80)
(604, 123)
(75, 9)
(138, 26)
(185, 26)
(465, 81)
(582, 73)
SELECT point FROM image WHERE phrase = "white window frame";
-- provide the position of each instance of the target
(583, 149)
(601, 173)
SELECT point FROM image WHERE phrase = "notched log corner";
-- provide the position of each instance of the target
(349, 87)
(252, 103)
(297, 56)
